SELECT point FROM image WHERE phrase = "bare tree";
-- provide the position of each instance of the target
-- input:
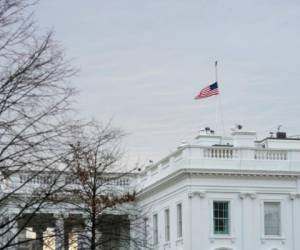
(103, 192)
(34, 100)
(38, 166)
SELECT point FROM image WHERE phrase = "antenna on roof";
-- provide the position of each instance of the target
(278, 128)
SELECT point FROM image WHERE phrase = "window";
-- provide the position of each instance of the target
(179, 220)
(221, 217)
(155, 229)
(145, 231)
(167, 225)
(272, 218)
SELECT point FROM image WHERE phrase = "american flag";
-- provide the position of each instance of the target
(208, 91)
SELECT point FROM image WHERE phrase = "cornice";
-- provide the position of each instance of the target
(238, 172)
(188, 173)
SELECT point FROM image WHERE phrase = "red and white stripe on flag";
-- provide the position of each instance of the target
(208, 91)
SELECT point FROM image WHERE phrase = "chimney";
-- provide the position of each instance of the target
(243, 138)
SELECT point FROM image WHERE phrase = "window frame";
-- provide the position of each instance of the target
(179, 220)
(280, 202)
(167, 224)
(145, 225)
(155, 231)
(229, 218)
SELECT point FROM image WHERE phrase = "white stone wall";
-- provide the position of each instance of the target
(246, 195)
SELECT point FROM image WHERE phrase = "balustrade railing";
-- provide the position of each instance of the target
(48, 179)
(223, 153)
(270, 155)
(257, 154)
(226, 157)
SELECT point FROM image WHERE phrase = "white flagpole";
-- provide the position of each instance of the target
(219, 100)
(216, 67)
(216, 72)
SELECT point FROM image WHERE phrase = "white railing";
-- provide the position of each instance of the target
(223, 157)
(223, 153)
(49, 179)
(270, 155)
(256, 154)
(38, 179)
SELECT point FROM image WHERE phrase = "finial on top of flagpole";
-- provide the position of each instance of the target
(216, 70)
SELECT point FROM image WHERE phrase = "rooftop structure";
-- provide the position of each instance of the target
(241, 152)
(217, 193)
(228, 193)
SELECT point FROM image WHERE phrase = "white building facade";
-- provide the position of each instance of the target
(233, 193)
(62, 225)
(219, 193)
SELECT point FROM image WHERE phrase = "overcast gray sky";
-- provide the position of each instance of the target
(143, 61)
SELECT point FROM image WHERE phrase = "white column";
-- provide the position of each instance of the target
(295, 220)
(12, 230)
(59, 232)
(244, 226)
(132, 232)
(98, 235)
(195, 198)
(84, 235)
(22, 238)
(197, 231)
(81, 239)
(125, 237)
(250, 218)
(189, 226)
(39, 237)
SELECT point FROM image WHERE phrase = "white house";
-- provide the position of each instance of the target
(219, 193)
(225, 193)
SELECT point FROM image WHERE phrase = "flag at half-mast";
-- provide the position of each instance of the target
(208, 91)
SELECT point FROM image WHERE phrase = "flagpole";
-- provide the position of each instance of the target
(216, 74)
(216, 68)
(219, 99)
